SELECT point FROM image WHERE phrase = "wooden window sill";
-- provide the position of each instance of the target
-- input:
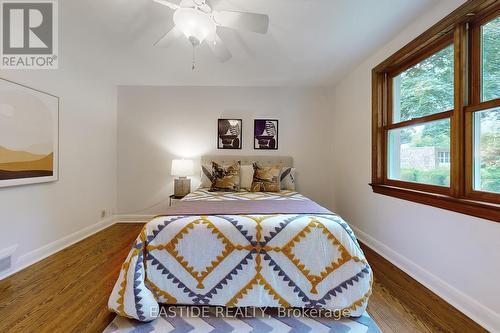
(460, 205)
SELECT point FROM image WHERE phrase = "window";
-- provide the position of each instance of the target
(490, 40)
(413, 154)
(444, 157)
(436, 115)
(421, 94)
(425, 88)
(487, 150)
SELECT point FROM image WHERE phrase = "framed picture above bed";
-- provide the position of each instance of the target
(29, 134)
(229, 133)
(266, 134)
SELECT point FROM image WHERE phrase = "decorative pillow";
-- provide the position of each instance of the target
(206, 175)
(225, 178)
(246, 172)
(266, 179)
(287, 179)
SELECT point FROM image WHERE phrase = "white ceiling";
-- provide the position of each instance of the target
(310, 42)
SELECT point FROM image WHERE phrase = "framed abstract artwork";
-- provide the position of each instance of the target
(266, 134)
(29, 135)
(229, 133)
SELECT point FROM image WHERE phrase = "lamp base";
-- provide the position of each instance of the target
(182, 186)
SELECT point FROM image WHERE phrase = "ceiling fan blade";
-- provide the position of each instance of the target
(219, 49)
(168, 38)
(167, 3)
(210, 3)
(243, 21)
(190, 3)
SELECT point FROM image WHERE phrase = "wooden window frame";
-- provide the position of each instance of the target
(462, 28)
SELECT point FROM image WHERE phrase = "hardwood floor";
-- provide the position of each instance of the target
(68, 292)
(401, 304)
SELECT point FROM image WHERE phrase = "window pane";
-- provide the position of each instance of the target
(421, 153)
(491, 60)
(425, 88)
(487, 150)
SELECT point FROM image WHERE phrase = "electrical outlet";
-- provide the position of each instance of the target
(103, 213)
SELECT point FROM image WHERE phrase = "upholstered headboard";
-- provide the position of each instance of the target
(283, 161)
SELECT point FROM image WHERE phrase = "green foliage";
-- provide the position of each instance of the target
(490, 179)
(490, 140)
(489, 150)
(427, 87)
(491, 60)
(435, 134)
(440, 176)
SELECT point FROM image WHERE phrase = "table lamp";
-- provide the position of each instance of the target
(182, 169)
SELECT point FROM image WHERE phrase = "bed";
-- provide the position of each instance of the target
(244, 249)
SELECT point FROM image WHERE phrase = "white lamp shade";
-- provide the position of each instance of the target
(194, 24)
(182, 168)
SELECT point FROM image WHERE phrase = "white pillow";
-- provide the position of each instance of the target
(287, 179)
(246, 177)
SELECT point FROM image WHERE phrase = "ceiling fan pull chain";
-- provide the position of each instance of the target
(194, 63)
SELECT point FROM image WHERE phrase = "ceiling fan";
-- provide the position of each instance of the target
(199, 22)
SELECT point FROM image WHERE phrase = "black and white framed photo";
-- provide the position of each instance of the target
(266, 134)
(229, 133)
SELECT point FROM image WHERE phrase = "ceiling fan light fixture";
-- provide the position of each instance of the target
(194, 24)
(198, 22)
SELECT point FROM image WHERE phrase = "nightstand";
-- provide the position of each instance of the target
(174, 197)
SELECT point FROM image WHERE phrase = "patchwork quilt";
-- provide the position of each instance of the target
(302, 260)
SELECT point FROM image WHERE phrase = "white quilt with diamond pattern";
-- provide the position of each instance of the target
(284, 260)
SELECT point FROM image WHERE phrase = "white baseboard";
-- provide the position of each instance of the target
(481, 314)
(133, 218)
(43, 252)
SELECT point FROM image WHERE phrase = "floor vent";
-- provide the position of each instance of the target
(5, 263)
(6, 258)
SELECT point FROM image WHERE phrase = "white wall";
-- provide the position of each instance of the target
(157, 124)
(456, 255)
(35, 216)
(44, 218)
